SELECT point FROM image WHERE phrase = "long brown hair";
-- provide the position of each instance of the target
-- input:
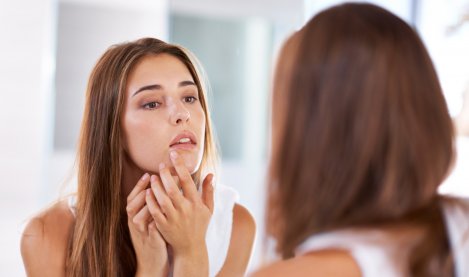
(100, 244)
(365, 137)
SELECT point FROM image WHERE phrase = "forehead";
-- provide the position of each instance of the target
(159, 69)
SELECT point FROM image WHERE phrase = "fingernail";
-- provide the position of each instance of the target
(145, 176)
(153, 178)
(173, 155)
(148, 191)
(162, 166)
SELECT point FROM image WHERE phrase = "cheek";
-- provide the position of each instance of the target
(145, 144)
(147, 141)
(199, 119)
(198, 126)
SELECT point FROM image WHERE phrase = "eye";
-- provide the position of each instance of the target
(151, 105)
(190, 99)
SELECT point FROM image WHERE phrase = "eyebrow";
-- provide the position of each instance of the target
(157, 86)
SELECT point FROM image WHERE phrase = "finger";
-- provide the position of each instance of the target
(136, 204)
(154, 209)
(170, 185)
(141, 219)
(168, 181)
(162, 198)
(153, 230)
(154, 233)
(141, 185)
(187, 183)
(207, 192)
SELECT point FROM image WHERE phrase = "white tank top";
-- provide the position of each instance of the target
(378, 255)
(219, 229)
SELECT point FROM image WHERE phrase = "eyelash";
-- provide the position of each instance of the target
(193, 99)
(155, 104)
(147, 105)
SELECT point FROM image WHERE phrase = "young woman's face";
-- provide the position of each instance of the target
(163, 113)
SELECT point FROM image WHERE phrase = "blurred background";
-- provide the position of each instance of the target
(48, 48)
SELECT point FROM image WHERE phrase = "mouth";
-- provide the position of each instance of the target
(184, 140)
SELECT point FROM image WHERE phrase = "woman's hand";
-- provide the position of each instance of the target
(182, 216)
(149, 245)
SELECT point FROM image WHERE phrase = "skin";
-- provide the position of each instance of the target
(161, 103)
(166, 213)
(333, 263)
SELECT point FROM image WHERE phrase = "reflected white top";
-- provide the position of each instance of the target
(457, 183)
(219, 229)
(378, 255)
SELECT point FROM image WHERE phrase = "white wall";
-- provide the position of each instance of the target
(448, 44)
(447, 40)
(26, 68)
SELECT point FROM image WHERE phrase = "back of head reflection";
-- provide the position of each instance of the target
(361, 141)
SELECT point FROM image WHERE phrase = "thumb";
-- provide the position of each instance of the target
(207, 192)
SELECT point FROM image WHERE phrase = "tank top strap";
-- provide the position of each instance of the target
(219, 229)
(72, 204)
(365, 248)
(456, 213)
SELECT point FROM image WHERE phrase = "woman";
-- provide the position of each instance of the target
(146, 150)
(362, 139)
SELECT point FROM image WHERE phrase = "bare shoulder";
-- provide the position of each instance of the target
(243, 221)
(321, 263)
(241, 243)
(44, 241)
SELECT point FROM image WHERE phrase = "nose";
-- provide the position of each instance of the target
(179, 114)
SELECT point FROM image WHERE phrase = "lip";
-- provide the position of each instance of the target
(185, 134)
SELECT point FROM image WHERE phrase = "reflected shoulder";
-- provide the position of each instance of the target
(241, 243)
(44, 241)
(322, 263)
(243, 220)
